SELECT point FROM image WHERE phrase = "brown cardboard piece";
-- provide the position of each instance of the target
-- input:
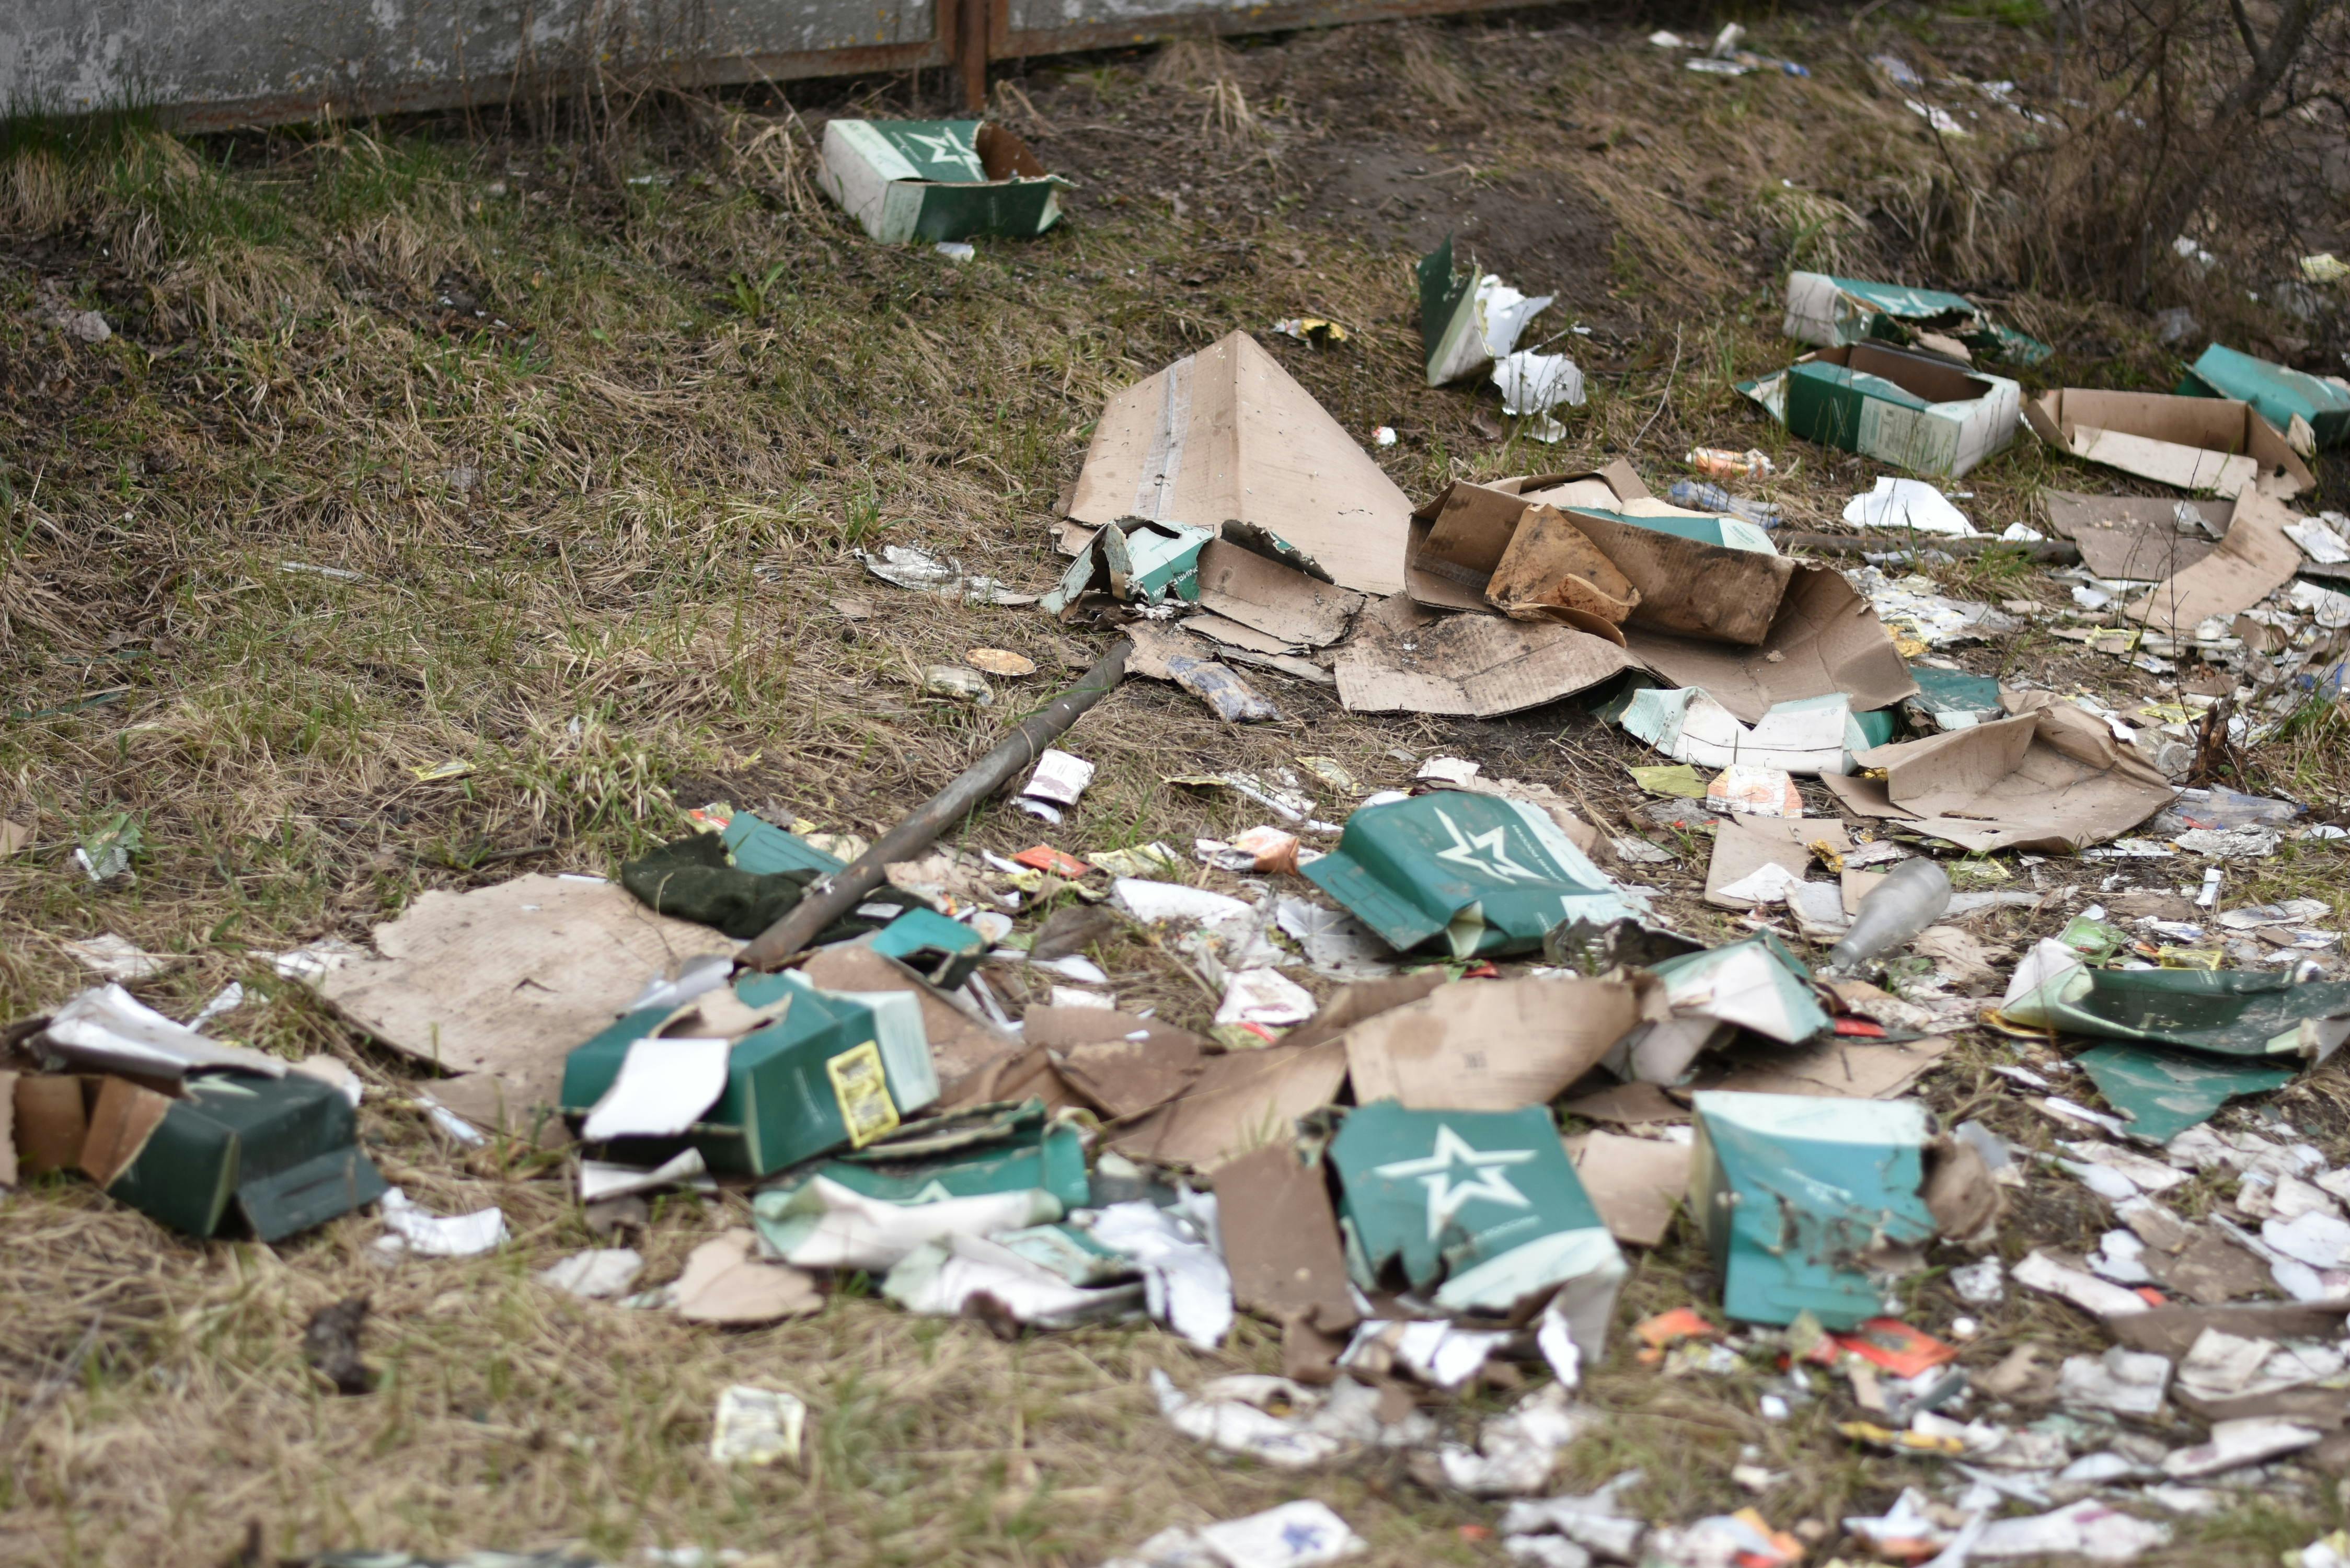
(498, 985)
(1226, 435)
(1553, 572)
(1406, 660)
(1634, 1182)
(1629, 1105)
(1457, 540)
(2052, 778)
(725, 1281)
(7, 1129)
(2173, 1330)
(1281, 1240)
(1489, 1044)
(52, 1122)
(1844, 1069)
(2214, 444)
(1824, 639)
(1030, 1076)
(2209, 1269)
(961, 1044)
(1690, 588)
(124, 1118)
(1242, 1101)
(1744, 845)
(1233, 634)
(1276, 600)
(2069, 510)
(1124, 1065)
(1353, 1002)
(2254, 560)
(1858, 885)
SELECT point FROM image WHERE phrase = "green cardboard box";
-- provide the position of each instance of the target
(1490, 875)
(1037, 1153)
(1830, 311)
(1484, 1206)
(276, 1155)
(1134, 559)
(1913, 411)
(2318, 405)
(937, 179)
(1806, 1200)
(834, 1070)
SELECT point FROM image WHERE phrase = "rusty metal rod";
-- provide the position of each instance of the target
(832, 897)
(2060, 552)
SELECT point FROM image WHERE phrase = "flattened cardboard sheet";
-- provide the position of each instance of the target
(2051, 778)
(1406, 660)
(1457, 539)
(1634, 1182)
(1242, 1101)
(1226, 435)
(1281, 1239)
(1824, 639)
(1279, 601)
(2254, 560)
(1744, 845)
(1489, 1044)
(2213, 445)
(501, 983)
(2069, 510)
(1124, 1065)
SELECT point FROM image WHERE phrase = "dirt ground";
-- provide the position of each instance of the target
(546, 452)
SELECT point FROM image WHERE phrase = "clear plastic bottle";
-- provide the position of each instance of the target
(1700, 496)
(1912, 897)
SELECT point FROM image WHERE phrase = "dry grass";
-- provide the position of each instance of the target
(598, 449)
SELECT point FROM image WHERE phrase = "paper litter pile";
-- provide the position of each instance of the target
(1467, 1057)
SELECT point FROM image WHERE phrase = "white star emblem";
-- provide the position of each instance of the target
(1494, 842)
(1446, 1196)
(930, 1191)
(945, 148)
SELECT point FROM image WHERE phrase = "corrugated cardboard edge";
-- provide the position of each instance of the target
(1280, 1235)
(1272, 598)
(124, 1118)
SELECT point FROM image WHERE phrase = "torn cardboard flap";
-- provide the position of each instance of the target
(2052, 778)
(1479, 666)
(1240, 1102)
(501, 983)
(1824, 640)
(1280, 1237)
(1489, 1045)
(1124, 1065)
(1276, 600)
(2213, 445)
(1552, 571)
(1457, 539)
(2255, 559)
(1690, 587)
(1226, 435)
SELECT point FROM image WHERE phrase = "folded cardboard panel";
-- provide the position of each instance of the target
(2214, 444)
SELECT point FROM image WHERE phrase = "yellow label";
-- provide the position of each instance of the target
(863, 1091)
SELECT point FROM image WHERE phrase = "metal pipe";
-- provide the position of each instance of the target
(828, 899)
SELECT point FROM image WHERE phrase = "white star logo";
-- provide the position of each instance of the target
(1446, 1196)
(945, 148)
(931, 1191)
(1494, 842)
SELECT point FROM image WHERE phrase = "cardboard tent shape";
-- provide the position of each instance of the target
(2243, 1013)
(2312, 410)
(1806, 1202)
(2214, 444)
(824, 1071)
(269, 1155)
(1483, 1205)
(1910, 409)
(1225, 436)
(1489, 876)
(2052, 778)
(937, 179)
(1467, 319)
(1833, 311)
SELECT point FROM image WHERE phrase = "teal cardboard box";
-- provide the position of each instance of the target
(1828, 311)
(2310, 410)
(937, 179)
(1490, 875)
(1913, 411)
(1807, 1201)
(1482, 1205)
(834, 1070)
(276, 1155)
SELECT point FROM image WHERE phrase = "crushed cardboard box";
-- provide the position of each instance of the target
(1913, 411)
(2212, 444)
(937, 179)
